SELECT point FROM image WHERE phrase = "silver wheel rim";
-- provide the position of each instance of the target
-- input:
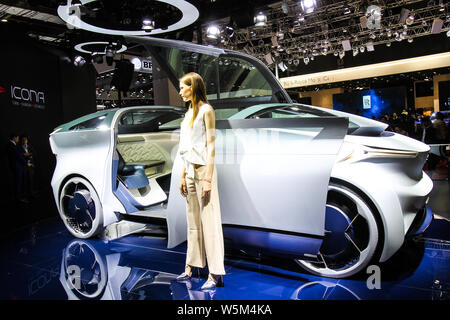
(88, 288)
(323, 268)
(91, 213)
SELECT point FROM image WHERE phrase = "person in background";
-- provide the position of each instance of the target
(28, 173)
(440, 128)
(17, 163)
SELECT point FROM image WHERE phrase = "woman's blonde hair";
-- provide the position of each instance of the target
(195, 81)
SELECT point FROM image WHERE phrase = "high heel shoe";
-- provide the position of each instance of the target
(186, 275)
(213, 282)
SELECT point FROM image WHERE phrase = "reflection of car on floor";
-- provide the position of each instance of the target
(93, 271)
(331, 190)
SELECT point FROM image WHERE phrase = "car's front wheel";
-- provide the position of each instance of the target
(80, 208)
(351, 235)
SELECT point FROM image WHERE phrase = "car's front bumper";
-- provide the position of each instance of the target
(421, 222)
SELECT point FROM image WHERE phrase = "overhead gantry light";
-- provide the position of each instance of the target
(260, 20)
(213, 32)
(79, 61)
(410, 19)
(308, 5)
(347, 9)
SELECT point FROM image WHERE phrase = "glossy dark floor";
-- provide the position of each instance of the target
(43, 261)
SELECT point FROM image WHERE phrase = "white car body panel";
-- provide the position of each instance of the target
(250, 165)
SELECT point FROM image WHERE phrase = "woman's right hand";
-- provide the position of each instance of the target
(183, 187)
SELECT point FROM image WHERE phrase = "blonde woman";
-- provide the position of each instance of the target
(199, 184)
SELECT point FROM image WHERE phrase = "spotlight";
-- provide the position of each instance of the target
(372, 35)
(410, 19)
(448, 33)
(347, 10)
(306, 60)
(324, 51)
(137, 63)
(410, 40)
(229, 31)
(308, 5)
(341, 54)
(282, 66)
(355, 52)
(441, 5)
(296, 61)
(260, 20)
(389, 33)
(362, 49)
(79, 61)
(301, 17)
(212, 32)
(148, 25)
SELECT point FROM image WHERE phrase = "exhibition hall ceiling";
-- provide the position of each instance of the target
(286, 35)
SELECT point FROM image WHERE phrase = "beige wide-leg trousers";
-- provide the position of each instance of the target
(204, 234)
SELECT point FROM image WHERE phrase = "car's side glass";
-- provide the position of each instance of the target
(145, 121)
(93, 123)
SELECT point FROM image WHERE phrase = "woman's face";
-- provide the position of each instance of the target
(185, 92)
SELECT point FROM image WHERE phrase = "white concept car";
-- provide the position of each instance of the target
(332, 190)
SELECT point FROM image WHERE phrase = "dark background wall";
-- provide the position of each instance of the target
(69, 92)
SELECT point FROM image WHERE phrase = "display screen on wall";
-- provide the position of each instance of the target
(444, 95)
(374, 102)
(424, 89)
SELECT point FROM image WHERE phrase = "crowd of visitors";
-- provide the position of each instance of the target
(418, 126)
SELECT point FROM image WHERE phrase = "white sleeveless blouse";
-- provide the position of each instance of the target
(192, 145)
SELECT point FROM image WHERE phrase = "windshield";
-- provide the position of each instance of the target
(225, 77)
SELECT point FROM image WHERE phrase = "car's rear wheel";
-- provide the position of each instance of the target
(80, 208)
(351, 236)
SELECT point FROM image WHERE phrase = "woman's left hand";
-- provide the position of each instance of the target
(206, 192)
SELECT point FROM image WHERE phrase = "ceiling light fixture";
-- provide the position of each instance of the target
(190, 14)
(79, 61)
(148, 25)
(347, 10)
(80, 47)
(212, 32)
(260, 20)
(308, 5)
(410, 19)
(229, 31)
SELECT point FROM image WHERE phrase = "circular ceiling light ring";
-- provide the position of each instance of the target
(79, 47)
(189, 12)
